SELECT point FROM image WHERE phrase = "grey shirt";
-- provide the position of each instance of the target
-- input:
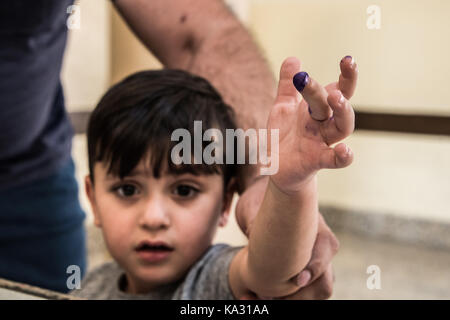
(206, 280)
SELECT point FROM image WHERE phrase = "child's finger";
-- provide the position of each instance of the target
(314, 94)
(348, 77)
(340, 156)
(342, 124)
(286, 91)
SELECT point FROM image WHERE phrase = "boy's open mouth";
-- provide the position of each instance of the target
(157, 246)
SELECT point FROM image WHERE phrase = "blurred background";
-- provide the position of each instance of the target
(390, 209)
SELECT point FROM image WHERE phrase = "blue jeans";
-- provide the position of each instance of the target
(42, 231)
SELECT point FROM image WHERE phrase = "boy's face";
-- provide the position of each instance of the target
(156, 228)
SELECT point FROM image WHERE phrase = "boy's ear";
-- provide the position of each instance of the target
(228, 199)
(89, 187)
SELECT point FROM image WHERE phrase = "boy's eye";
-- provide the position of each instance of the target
(185, 191)
(126, 190)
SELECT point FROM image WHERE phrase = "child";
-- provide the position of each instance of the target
(159, 219)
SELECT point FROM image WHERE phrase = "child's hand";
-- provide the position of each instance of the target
(305, 136)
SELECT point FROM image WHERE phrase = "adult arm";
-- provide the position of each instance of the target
(205, 38)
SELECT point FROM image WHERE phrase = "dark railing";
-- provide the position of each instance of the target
(423, 124)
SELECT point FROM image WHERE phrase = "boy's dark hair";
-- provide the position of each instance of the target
(139, 114)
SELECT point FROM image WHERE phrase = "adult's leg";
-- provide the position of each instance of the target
(42, 231)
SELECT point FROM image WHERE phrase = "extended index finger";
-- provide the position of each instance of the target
(314, 94)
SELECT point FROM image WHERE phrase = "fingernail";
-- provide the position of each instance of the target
(349, 57)
(303, 278)
(300, 80)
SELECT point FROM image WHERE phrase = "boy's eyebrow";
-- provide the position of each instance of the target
(131, 174)
(138, 173)
(147, 173)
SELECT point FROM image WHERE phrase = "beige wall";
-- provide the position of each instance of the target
(128, 53)
(398, 174)
(403, 67)
(87, 60)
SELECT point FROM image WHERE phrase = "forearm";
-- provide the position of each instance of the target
(282, 239)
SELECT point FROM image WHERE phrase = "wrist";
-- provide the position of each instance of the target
(304, 190)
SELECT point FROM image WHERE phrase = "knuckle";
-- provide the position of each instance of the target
(335, 245)
(328, 236)
(314, 267)
(350, 127)
(324, 288)
(348, 131)
(326, 292)
(352, 130)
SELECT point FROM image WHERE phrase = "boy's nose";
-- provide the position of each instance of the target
(155, 215)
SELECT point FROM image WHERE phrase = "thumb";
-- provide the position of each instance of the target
(287, 93)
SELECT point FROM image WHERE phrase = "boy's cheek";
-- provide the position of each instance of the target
(118, 243)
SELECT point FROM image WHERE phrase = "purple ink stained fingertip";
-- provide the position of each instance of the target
(346, 57)
(300, 80)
